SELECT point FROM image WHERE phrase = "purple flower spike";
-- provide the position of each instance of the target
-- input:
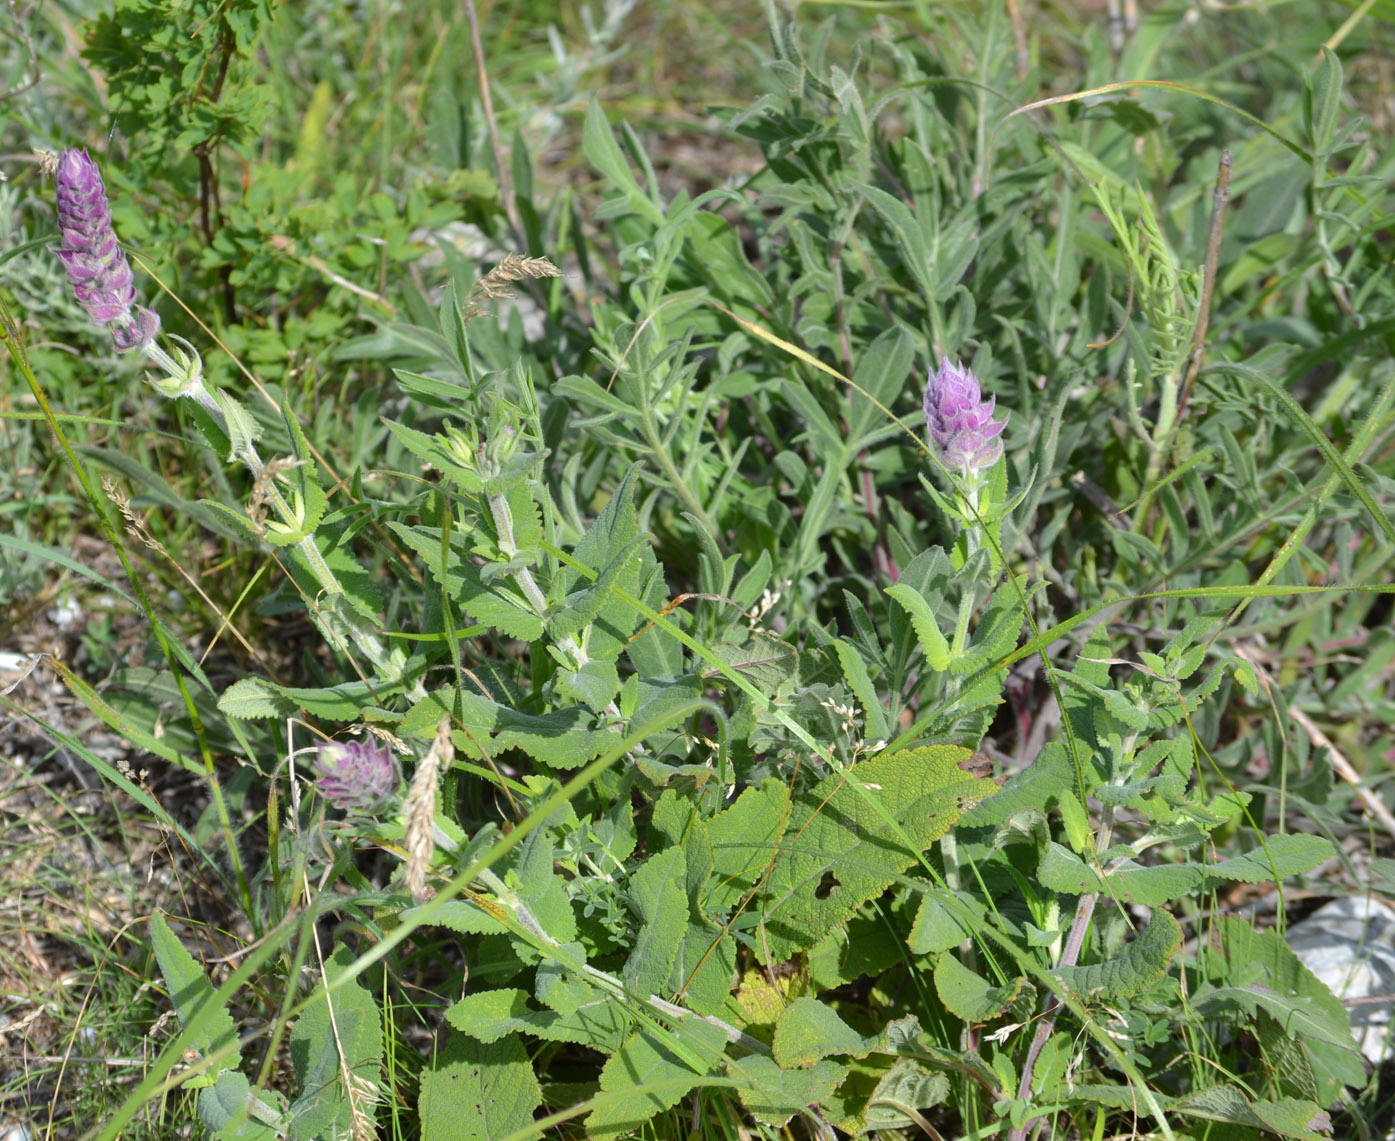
(959, 420)
(97, 267)
(356, 775)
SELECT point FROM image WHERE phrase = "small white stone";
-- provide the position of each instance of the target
(1350, 945)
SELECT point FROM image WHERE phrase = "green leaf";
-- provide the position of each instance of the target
(1280, 856)
(1076, 822)
(604, 153)
(650, 1073)
(323, 1047)
(253, 699)
(1134, 969)
(492, 604)
(592, 1016)
(465, 917)
(716, 246)
(968, 995)
(860, 682)
(210, 1027)
(436, 453)
(562, 739)
(233, 1113)
(541, 889)
(866, 945)
(703, 968)
(881, 374)
(658, 892)
(773, 1094)
(1263, 973)
(847, 845)
(938, 927)
(809, 1030)
(910, 238)
(927, 629)
(905, 1090)
(1324, 102)
(478, 1091)
(595, 684)
(610, 548)
(744, 839)
(1033, 788)
(1129, 882)
(1303, 1120)
(1318, 439)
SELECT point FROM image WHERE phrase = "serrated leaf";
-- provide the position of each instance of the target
(932, 642)
(1077, 824)
(703, 969)
(1283, 855)
(905, 1090)
(1134, 969)
(492, 604)
(1263, 973)
(844, 850)
(562, 739)
(233, 1113)
(744, 837)
(593, 1017)
(1288, 1118)
(595, 684)
(611, 548)
(253, 699)
(997, 633)
(865, 945)
(210, 1027)
(436, 453)
(658, 891)
(938, 927)
(650, 1073)
(860, 682)
(809, 1030)
(477, 1091)
(773, 1095)
(970, 996)
(324, 1045)
(540, 888)
(467, 918)
(1032, 788)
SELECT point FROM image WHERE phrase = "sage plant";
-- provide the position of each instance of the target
(102, 282)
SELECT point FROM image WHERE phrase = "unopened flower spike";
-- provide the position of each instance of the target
(95, 263)
(960, 421)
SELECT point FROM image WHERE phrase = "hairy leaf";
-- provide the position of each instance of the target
(478, 1091)
(1134, 969)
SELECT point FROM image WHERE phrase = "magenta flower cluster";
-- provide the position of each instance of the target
(96, 266)
(356, 775)
(959, 420)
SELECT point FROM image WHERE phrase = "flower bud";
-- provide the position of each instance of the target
(959, 420)
(96, 265)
